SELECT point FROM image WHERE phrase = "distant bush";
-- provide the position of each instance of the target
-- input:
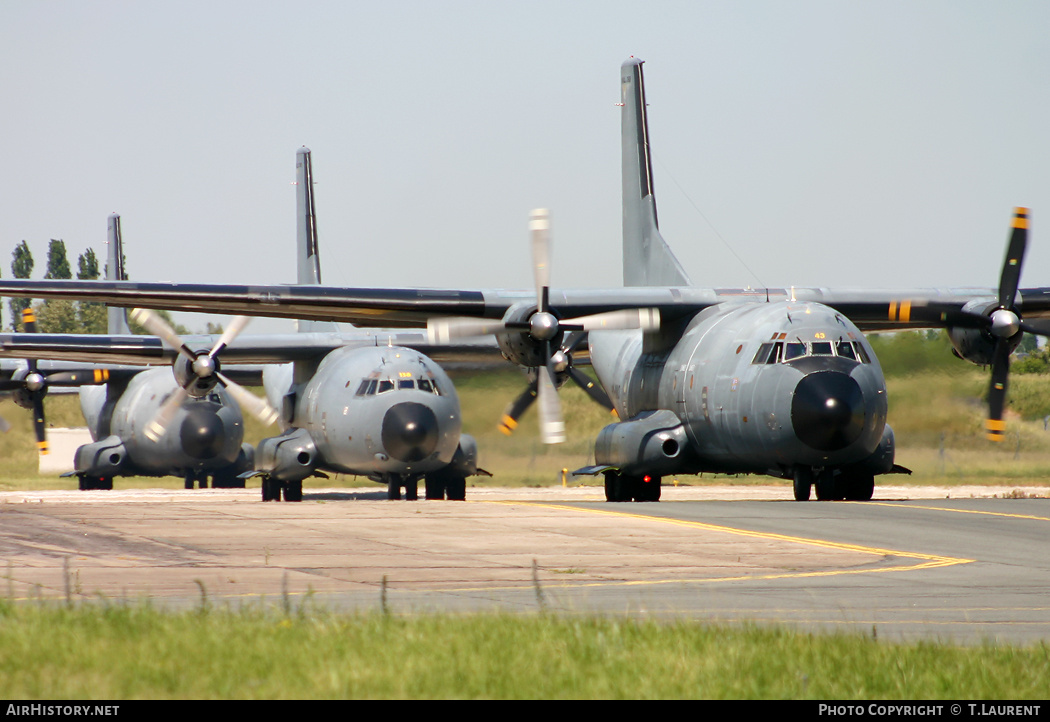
(1035, 362)
(908, 352)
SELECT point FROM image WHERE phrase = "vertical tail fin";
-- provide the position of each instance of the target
(308, 261)
(647, 260)
(117, 317)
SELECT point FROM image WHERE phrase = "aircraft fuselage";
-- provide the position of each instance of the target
(371, 411)
(763, 388)
(204, 436)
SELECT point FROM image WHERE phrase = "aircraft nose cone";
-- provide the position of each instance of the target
(827, 411)
(410, 431)
(202, 433)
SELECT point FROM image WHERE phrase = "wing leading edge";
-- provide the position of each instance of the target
(870, 310)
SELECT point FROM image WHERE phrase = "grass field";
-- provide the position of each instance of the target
(106, 651)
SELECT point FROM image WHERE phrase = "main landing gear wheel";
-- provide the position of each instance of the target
(393, 489)
(858, 486)
(446, 485)
(828, 486)
(271, 489)
(626, 487)
(293, 491)
(803, 484)
(95, 483)
(201, 480)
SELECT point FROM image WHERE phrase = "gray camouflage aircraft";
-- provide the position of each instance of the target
(121, 403)
(771, 381)
(359, 403)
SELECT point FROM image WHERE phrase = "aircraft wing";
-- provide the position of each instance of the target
(136, 351)
(873, 310)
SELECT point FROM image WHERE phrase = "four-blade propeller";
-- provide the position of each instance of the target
(34, 385)
(201, 366)
(543, 326)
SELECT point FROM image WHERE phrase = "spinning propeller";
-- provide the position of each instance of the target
(202, 369)
(563, 368)
(544, 326)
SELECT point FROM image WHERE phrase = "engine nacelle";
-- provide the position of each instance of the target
(652, 442)
(974, 344)
(518, 346)
(197, 386)
(465, 460)
(104, 457)
(292, 456)
(881, 460)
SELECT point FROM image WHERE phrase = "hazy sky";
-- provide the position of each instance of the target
(828, 143)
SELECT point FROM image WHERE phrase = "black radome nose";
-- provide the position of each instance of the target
(410, 432)
(827, 411)
(202, 433)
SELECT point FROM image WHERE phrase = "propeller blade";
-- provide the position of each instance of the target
(254, 405)
(78, 378)
(591, 387)
(156, 427)
(232, 331)
(1011, 275)
(156, 325)
(997, 391)
(539, 230)
(5, 425)
(647, 319)
(441, 331)
(1037, 326)
(38, 423)
(517, 407)
(552, 427)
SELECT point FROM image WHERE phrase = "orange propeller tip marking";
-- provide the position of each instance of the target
(995, 425)
(42, 446)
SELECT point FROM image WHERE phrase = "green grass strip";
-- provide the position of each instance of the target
(110, 651)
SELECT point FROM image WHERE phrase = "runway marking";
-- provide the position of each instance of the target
(926, 561)
(960, 511)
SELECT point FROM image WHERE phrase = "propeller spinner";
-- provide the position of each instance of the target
(544, 326)
(202, 366)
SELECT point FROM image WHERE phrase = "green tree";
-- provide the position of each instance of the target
(57, 262)
(57, 315)
(21, 267)
(91, 317)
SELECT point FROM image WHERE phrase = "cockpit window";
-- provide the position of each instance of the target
(363, 388)
(406, 384)
(773, 353)
(764, 351)
(384, 386)
(424, 385)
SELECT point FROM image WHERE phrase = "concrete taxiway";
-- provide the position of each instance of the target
(942, 563)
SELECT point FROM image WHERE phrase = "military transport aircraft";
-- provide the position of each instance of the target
(361, 402)
(774, 381)
(121, 402)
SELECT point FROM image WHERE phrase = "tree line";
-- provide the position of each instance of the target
(61, 315)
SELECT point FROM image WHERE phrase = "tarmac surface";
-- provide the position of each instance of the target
(968, 564)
